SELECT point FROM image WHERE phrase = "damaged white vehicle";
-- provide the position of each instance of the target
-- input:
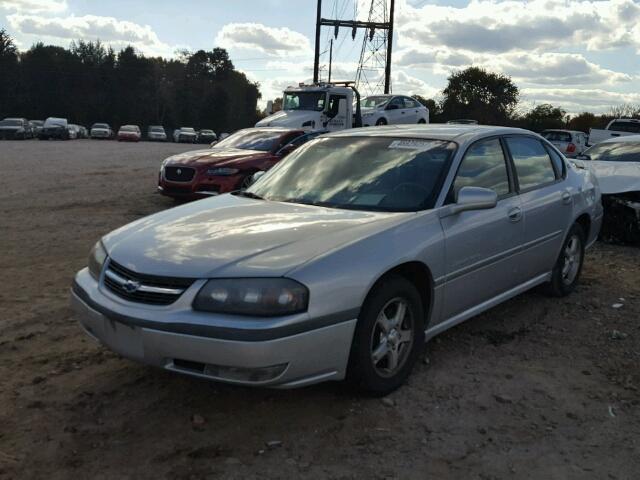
(616, 164)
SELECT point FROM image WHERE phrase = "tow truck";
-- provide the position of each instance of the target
(320, 106)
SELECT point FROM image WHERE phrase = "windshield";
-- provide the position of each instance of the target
(128, 128)
(557, 136)
(187, 130)
(11, 123)
(156, 129)
(364, 173)
(375, 101)
(100, 125)
(303, 101)
(56, 122)
(263, 140)
(206, 132)
(615, 152)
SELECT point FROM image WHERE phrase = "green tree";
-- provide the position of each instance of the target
(583, 122)
(475, 93)
(9, 74)
(545, 116)
(434, 108)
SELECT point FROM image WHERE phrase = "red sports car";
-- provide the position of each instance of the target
(229, 164)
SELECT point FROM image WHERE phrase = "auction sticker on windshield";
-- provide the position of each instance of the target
(413, 144)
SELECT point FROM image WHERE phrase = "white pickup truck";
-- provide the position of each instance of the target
(619, 127)
(323, 106)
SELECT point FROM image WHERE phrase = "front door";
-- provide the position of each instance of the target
(482, 247)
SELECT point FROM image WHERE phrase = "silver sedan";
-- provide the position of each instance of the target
(341, 261)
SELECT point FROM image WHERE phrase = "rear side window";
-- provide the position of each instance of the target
(533, 164)
(410, 103)
(484, 166)
(558, 163)
(631, 127)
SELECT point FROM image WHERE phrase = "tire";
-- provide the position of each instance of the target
(379, 377)
(566, 272)
(422, 121)
(381, 121)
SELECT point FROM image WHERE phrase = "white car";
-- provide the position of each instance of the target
(392, 110)
(570, 142)
(185, 135)
(101, 130)
(157, 133)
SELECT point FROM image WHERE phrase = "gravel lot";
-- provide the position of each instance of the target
(537, 388)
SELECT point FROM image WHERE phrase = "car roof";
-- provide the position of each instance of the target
(626, 138)
(441, 131)
(562, 130)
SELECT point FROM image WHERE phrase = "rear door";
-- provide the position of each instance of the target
(482, 247)
(547, 202)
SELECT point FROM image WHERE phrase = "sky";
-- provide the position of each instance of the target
(577, 54)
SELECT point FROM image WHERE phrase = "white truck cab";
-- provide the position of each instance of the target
(323, 106)
(620, 127)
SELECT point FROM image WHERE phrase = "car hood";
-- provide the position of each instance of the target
(231, 236)
(212, 156)
(615, 177)
(290, 118)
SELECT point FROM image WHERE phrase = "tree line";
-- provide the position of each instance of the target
(90, 82)
(494, 99)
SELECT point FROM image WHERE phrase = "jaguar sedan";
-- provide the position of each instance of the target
(344, 258)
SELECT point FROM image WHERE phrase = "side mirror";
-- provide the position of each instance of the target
(471, 198)
(286, 150)
(255, 177)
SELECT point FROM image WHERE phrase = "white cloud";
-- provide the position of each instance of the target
(269, 40)
(501, 26)
(89, 27)
(575, 100)
(34, 6)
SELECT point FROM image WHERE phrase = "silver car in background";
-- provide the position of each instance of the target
(571, 143)
(344, 258)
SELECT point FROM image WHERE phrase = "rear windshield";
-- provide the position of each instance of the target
(557, 136)
(631, 127)
(615, 152)
(128, 128)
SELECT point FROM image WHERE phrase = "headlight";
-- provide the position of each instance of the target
(96, 260)
(222, 171)
(260, 297)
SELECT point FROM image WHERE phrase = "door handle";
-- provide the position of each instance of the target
(515, 214)
(566, 197)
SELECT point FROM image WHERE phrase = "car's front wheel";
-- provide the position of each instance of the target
(381, 121)
(389, 337)
(566, 272)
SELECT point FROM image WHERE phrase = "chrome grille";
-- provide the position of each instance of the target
(179, 174)
(150, 289)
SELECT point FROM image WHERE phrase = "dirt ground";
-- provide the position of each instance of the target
(538, 388)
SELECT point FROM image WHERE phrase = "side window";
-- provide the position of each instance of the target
(533, 164)
(483, 166)
(409, 103)
(397, 101)
(334, 105)
(558, 163)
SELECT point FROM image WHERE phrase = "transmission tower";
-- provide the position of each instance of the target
(374, 68)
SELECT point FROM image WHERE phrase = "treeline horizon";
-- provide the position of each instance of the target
(89, 82)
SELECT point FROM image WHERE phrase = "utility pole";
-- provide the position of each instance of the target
(376, 56)
(330, 58)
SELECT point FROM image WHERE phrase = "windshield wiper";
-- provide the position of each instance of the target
(244, 193)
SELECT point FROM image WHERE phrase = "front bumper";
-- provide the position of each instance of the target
(201, 186)
(280, 353)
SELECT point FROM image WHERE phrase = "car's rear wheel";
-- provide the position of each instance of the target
(389, 337)
(422, 120)
(566, 272)
(381, 121)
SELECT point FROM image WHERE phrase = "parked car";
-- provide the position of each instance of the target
(185, 135)
(616, 164)
(343, 258)
(392, 110)
(619, 127)
(101, 131)
(36, 127)
(229, 164)
(74, 131)
(83, 132)
(15, 129)
(570, 142)
(129, 133)
(207, 136)
(55, 128)
(156, 133)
